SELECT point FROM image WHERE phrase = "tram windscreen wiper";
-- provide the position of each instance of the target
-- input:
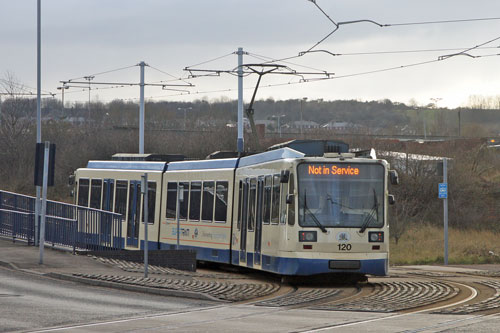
(369, 217)
(314, 218)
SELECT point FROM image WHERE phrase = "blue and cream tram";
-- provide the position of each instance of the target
(300, 208)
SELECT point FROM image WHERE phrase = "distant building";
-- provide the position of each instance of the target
(268, 124)
(339, 125)
(75, 120)
(234, 124)
(304, 124)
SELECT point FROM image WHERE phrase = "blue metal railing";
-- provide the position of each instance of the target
(17, 224)
(65, 224)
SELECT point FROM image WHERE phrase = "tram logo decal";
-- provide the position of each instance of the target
(183, 231)
(343, 237)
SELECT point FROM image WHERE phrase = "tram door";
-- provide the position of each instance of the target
(134, 204)
(107, 204)
(244, 220)
(258, 222)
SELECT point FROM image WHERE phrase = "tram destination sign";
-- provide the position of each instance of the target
(332, 170)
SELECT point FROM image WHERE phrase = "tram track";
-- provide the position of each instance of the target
(387, 298)
(403, 291)
(439, 294)
(260, 310)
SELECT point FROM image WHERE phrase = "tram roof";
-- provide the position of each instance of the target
(128, 165)
(269, 156)
(226, 163)
(231, 163)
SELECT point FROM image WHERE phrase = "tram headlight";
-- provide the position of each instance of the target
(376, 237)
(308, 236)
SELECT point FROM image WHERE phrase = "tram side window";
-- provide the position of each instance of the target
(275, 205)
(151, 203)
(83, 193)
(251, 204)
(171, 200)
(207, 211)
(267, 200)
(291, 206)
(107, 196)
(244, 205)
(260, 207)
(283, 205)
(183, 209)
(195, 201)
(95, 193)
(240, 204)
(121, 198)
(221, 198)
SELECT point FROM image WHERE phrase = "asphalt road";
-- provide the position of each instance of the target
(29, 302)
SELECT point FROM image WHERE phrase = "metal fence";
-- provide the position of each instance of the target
(65, 225)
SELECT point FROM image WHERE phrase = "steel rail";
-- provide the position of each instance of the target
(473, 295)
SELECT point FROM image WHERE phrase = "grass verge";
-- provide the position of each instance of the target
(425, 245)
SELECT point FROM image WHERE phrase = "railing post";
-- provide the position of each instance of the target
(13, 219)
(53, 227)
(30, 227)
(75, 228)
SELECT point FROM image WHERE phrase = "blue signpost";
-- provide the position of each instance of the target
(443, 191)
(443, 194)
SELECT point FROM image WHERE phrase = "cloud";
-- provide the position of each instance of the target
(85, 37)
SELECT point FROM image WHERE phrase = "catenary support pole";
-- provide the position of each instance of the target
(241, 141)
(44, 199)
(38, 107)
(141, 112)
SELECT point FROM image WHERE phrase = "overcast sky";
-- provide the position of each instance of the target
(81, 38)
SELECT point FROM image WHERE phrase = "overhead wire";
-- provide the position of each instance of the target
(83, 88)
(480, 46)
(338, 24)
(464, 52)
(302, 80)
(23, 86)
(211, 60)
(315, 80)
(401, 51)
(105, 72)
(265, 58)
(443, 21)
(175, 78)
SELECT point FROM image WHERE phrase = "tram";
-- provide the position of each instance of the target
(299, 208)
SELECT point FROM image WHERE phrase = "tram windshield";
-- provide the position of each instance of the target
(340, 195)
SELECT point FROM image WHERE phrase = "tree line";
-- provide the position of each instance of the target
(97, 131)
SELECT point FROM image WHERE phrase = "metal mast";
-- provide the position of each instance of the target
(141, 110)
(38, 108)
(240, 141)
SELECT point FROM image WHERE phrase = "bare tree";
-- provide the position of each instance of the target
(15, 128)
